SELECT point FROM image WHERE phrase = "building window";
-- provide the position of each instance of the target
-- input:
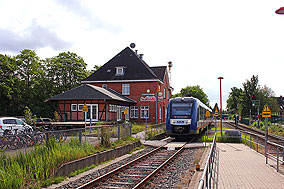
(144, 111)
(159, 88)
(80, 107)
(112, 108)
(74, 107)
(134, 112)
(125, 89)
(164, 93)
(104, 86)
(119, 71)
(160, 113)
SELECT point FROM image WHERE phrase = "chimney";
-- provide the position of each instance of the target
(136, 51)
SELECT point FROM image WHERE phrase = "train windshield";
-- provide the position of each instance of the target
(181, 109)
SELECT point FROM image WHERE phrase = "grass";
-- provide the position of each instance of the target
(226, 139)
(275, 129)
(37, 168)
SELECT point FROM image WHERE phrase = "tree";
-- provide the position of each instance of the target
(240, 100)
(30, 67)
(65, 71)
(251, 88)
(234, 100)
(194, 91)
(9, 84)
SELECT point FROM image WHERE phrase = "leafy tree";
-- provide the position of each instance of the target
(29, 67)
(234, 100)
(251, 89)
(240, 100)
(194, 91)
(8, 83)
(30, 118)
(65, 71)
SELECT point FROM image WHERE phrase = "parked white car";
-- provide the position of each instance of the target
(13, 124)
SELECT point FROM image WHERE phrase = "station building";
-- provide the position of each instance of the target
(124, 88)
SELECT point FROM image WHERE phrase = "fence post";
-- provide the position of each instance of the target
(257, 143)
(205, 137)
(130, 127)
(118, 131)
(250, 141)
(283, 154)
(277, 158)
(80, 135)
(46, 137)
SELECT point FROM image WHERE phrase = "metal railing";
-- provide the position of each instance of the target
(209, 177)
(256, 142)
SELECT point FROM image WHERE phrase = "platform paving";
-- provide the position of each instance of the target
(242, 167)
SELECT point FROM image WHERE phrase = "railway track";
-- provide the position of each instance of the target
(271, 137)
(136, 173)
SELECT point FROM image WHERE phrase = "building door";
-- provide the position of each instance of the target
(118, 113)
(92, 113)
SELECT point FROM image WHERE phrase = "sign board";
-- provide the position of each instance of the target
(125, 111)
(266, 111)
(85, 108)
(207, 113)
(216, 114)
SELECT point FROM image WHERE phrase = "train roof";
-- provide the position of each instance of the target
(188, 99)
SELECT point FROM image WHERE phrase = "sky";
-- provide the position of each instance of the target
(204, 40)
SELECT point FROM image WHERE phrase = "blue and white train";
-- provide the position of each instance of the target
(187, 116)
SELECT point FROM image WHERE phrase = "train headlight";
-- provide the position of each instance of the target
(172, 121)
(188, 121)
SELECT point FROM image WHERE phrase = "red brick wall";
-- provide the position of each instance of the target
(144, 94)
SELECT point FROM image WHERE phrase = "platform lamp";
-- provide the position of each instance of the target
(280, 10)
(220, 78)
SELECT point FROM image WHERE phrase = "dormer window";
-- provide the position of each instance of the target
(120, 71)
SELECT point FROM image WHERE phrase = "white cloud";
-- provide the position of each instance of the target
(204, 39)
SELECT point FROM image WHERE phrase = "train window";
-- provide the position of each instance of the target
(181, 109)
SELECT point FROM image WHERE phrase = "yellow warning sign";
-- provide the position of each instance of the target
(125, 111)
(207, 113)
(85, 108)
(216, 114)
(266, 111)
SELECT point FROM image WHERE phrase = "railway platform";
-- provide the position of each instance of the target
(242, 167)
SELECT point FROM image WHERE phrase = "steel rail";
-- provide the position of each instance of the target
(113, 172)
(151, 175)
(262, 133)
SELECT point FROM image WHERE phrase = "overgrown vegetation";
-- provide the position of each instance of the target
(37, 168)
(275, 129)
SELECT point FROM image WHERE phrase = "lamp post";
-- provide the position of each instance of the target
(220, 78)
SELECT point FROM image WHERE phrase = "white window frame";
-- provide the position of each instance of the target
(119, 71)
(164, 93)
(142, 110)
(72, 107)
(125, 89)
(119, 113)
(160, 112)
(80, 107)
(134, 112)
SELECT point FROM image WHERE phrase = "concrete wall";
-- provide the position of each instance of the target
(72, 166)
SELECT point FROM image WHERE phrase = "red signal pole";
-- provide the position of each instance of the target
(221, 101)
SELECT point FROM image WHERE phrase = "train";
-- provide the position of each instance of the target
(186, 116)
